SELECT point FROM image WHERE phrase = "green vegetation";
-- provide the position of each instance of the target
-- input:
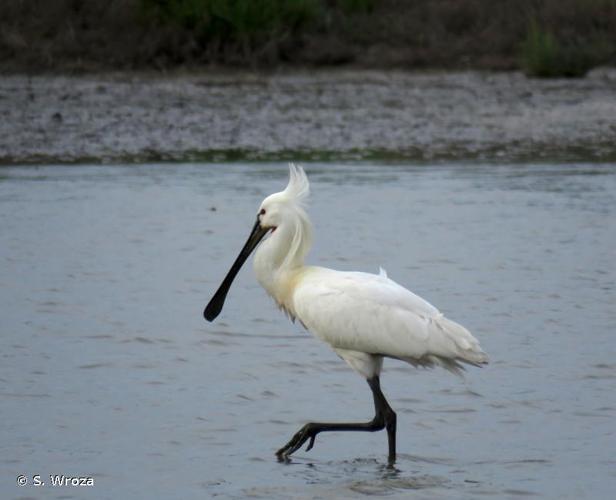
(543, 55)
(564, 38)
(351, 6)
(249, 23)
(248, 31)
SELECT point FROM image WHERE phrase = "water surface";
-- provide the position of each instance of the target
(109, 370)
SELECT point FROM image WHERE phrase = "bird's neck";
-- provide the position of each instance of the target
(281, 256)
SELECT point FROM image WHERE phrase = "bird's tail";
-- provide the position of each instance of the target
(456, 347)
(465, 347)
(451, 346)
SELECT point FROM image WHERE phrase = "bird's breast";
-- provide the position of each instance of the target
(280, 284)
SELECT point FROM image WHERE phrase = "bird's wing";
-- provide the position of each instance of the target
(373, 314)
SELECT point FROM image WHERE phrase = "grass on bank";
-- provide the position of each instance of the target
(247, 23)
(250, 26)
(545, 56)
(566, 38)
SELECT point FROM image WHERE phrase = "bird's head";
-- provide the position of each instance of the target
(278, 207)
(276, 210)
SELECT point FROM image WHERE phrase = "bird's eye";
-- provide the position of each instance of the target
(262, 211)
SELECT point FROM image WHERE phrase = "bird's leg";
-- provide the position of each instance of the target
(384, 418)
(382, 407)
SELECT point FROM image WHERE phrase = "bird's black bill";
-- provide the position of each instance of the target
(218, 300)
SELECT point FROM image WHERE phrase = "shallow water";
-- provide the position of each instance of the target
(109, 370)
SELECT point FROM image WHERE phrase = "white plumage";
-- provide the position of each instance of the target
(370, 316)
(363, 317)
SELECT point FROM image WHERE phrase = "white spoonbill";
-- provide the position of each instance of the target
(363, 317)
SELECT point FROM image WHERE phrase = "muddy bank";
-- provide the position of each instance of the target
(346, 114)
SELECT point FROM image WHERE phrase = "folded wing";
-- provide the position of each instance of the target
(372, 314)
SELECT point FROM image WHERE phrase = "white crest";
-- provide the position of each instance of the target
(298, 188)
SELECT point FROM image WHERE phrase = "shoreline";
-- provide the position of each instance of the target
(336, 115)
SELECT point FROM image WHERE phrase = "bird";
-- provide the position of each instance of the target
(364, 317)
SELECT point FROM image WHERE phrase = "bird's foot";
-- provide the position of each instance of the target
(308, 431)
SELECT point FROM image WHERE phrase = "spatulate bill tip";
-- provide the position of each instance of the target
(211, 313)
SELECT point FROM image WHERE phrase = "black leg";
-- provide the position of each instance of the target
(384, 418)
(382, 407)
